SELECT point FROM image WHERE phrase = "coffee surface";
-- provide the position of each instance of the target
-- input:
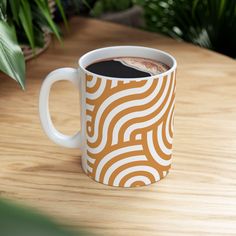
(127, 67)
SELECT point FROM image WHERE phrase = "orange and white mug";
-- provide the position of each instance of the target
(126, 124)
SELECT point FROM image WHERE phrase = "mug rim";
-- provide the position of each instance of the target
(172, 68)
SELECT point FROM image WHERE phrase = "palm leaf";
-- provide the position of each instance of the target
(58, 2)
(3, 7)
(26, 21)
(12, 60)
(43, 7)
(15, 6)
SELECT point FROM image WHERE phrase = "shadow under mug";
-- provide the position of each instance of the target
(126, 124)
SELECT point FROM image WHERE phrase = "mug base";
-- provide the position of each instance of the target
(134, 185)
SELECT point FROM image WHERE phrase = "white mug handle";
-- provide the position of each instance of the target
(71, 75)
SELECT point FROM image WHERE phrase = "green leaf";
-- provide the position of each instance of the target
(85, 3)
(58, 2)
(12, 61)
(221, 8)
(15, 6)
(43, 7)
(26, 21)
(3, 7)
(16, 220)
(98, 9)
(39, 37)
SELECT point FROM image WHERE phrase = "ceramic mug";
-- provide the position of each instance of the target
(126, 124)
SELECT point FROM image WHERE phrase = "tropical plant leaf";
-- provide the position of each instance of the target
(43, 7)
(12, 60)
(16, 220)
(3, 7)
(39, 37)
(26, 21)
(15, 6)
(58, 2)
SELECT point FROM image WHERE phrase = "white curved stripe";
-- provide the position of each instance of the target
(113, 154)
(133, 179)
(168, 137)
(89, 128)
(120, 163)
(136, 114)
(99, 91)
(172, 122)
(88, 118)
(152, 150)
(91, 160)
(90, 169)
(89, 107)
(129, 170)
(138, 137)
(150, 122)
(110, 100)
(114, 83)
(92, 83)
(126, 81)
(163, 147)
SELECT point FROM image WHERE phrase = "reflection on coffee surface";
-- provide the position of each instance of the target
(127, 67)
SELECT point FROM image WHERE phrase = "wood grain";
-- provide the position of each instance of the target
(199, 195)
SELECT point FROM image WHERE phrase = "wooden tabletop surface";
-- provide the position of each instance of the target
(199, 195)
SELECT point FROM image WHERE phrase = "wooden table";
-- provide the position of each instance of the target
(199, 195)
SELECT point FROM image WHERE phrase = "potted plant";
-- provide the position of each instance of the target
(25, 31)
(123, 11)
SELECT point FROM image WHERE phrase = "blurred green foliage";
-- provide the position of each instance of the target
(208, 23)
(104, 6)
(16, 220)
(75, 7)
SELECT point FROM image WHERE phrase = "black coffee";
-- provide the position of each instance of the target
(127, 67)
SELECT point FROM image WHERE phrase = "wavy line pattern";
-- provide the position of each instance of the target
(129, 129)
